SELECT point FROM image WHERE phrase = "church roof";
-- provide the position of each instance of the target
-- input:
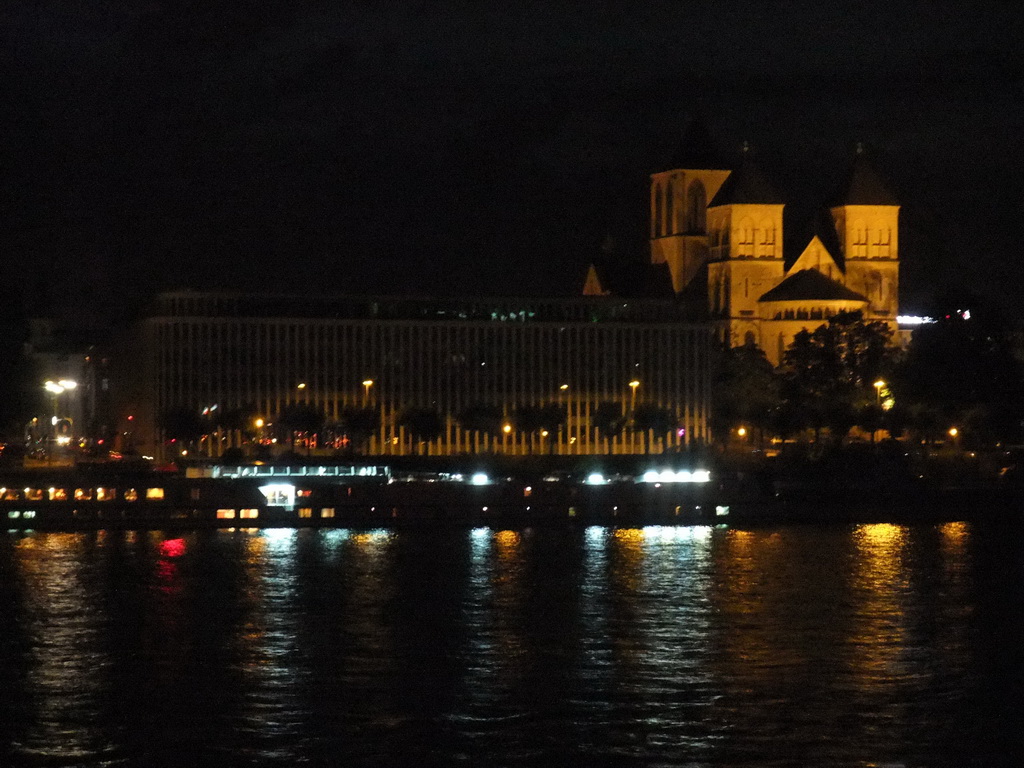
(810, 285)
(746, 185)
(634, 280)
(696, 151)
(863, 186)
(799, 235)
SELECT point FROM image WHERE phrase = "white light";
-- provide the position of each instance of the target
(913, 320)
(479, 478)
(279, 494)
(671, 476)
(596, 478)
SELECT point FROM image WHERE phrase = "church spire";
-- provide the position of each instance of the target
(862, 185)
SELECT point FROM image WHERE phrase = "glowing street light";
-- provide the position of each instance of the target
(953, 432)
(367, 383)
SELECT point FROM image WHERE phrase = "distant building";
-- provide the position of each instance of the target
(263, 353)
(720, 234)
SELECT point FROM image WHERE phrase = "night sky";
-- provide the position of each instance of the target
(477, 147)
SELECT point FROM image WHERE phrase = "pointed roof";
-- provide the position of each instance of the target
(746, 186)
(696, 150)
(810, 285)
(632, 279)
(862, 185)
(800, 234)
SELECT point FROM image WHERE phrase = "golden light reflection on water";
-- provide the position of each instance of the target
(879, 582)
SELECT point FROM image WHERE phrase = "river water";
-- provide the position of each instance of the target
(870, 645)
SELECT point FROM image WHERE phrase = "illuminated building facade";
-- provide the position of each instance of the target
(267, 352)
(720, 234)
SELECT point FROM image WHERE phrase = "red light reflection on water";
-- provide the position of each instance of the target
(172, 548)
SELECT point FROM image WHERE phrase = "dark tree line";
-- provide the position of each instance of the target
(960, 371)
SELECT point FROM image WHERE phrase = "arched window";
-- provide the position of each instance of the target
(670, 227)
(657, 211)
(696, 208)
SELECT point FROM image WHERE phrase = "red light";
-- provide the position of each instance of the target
(100, 441)
(131, 418)
(172, 547)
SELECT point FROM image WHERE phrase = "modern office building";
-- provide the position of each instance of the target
(261, 354)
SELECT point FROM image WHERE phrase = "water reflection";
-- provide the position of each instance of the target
(67, 663)
(699, 646)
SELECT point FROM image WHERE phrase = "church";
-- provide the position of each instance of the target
(717, 241)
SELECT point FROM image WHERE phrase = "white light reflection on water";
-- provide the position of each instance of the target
(67, 668)
(271, 672)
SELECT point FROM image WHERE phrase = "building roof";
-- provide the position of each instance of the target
(810, 285)
(696, 150)
(746, 186)
(862, 186)
(799, 234)
(633, 279)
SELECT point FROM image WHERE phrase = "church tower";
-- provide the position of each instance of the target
(745, 258)
(679, 198)
(866, 216)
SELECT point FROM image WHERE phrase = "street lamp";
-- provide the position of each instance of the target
(879, 385)
(632, 387)
(367, 383)
(56, 389)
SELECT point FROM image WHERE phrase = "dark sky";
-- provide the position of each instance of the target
(443, 147)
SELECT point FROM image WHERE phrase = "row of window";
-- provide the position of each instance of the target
(79, 494)
(252, 514)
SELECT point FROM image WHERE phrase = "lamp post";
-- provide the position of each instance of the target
(56, 389)
(367, 383)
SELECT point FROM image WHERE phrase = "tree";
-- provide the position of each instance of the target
(183, 424)
(424, 424)
(746, 390)
(830, 372)
(360, 424)
(485, 419)
(300, 418)
(648, 418)
(608, 420)
(961, 371)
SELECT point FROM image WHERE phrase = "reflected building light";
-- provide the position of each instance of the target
(596, 478)
(479, 478)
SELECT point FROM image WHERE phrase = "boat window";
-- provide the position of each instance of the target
(154, 493)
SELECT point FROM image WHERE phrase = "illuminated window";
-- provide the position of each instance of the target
(28, 515)
(34, 494)
(83, 494)
(11, 494)
(305, 511)
(154, 493)
(131, 495)
(860, 241)
(58, 494)
(106, 494)
(13, 515)
(327, 512)
(225, 514)
(249, 513)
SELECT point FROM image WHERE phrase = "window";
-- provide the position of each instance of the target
(11, 494)
(106, 494)
(13, 515)
(250, 514)
(29, 514)
(83, 494)
(225, 514)
(58, 494)
(154, 493)
(696, 208)
(131, 495)
(327, 512)
(34, 494)
(859, 248)
(305, 512)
